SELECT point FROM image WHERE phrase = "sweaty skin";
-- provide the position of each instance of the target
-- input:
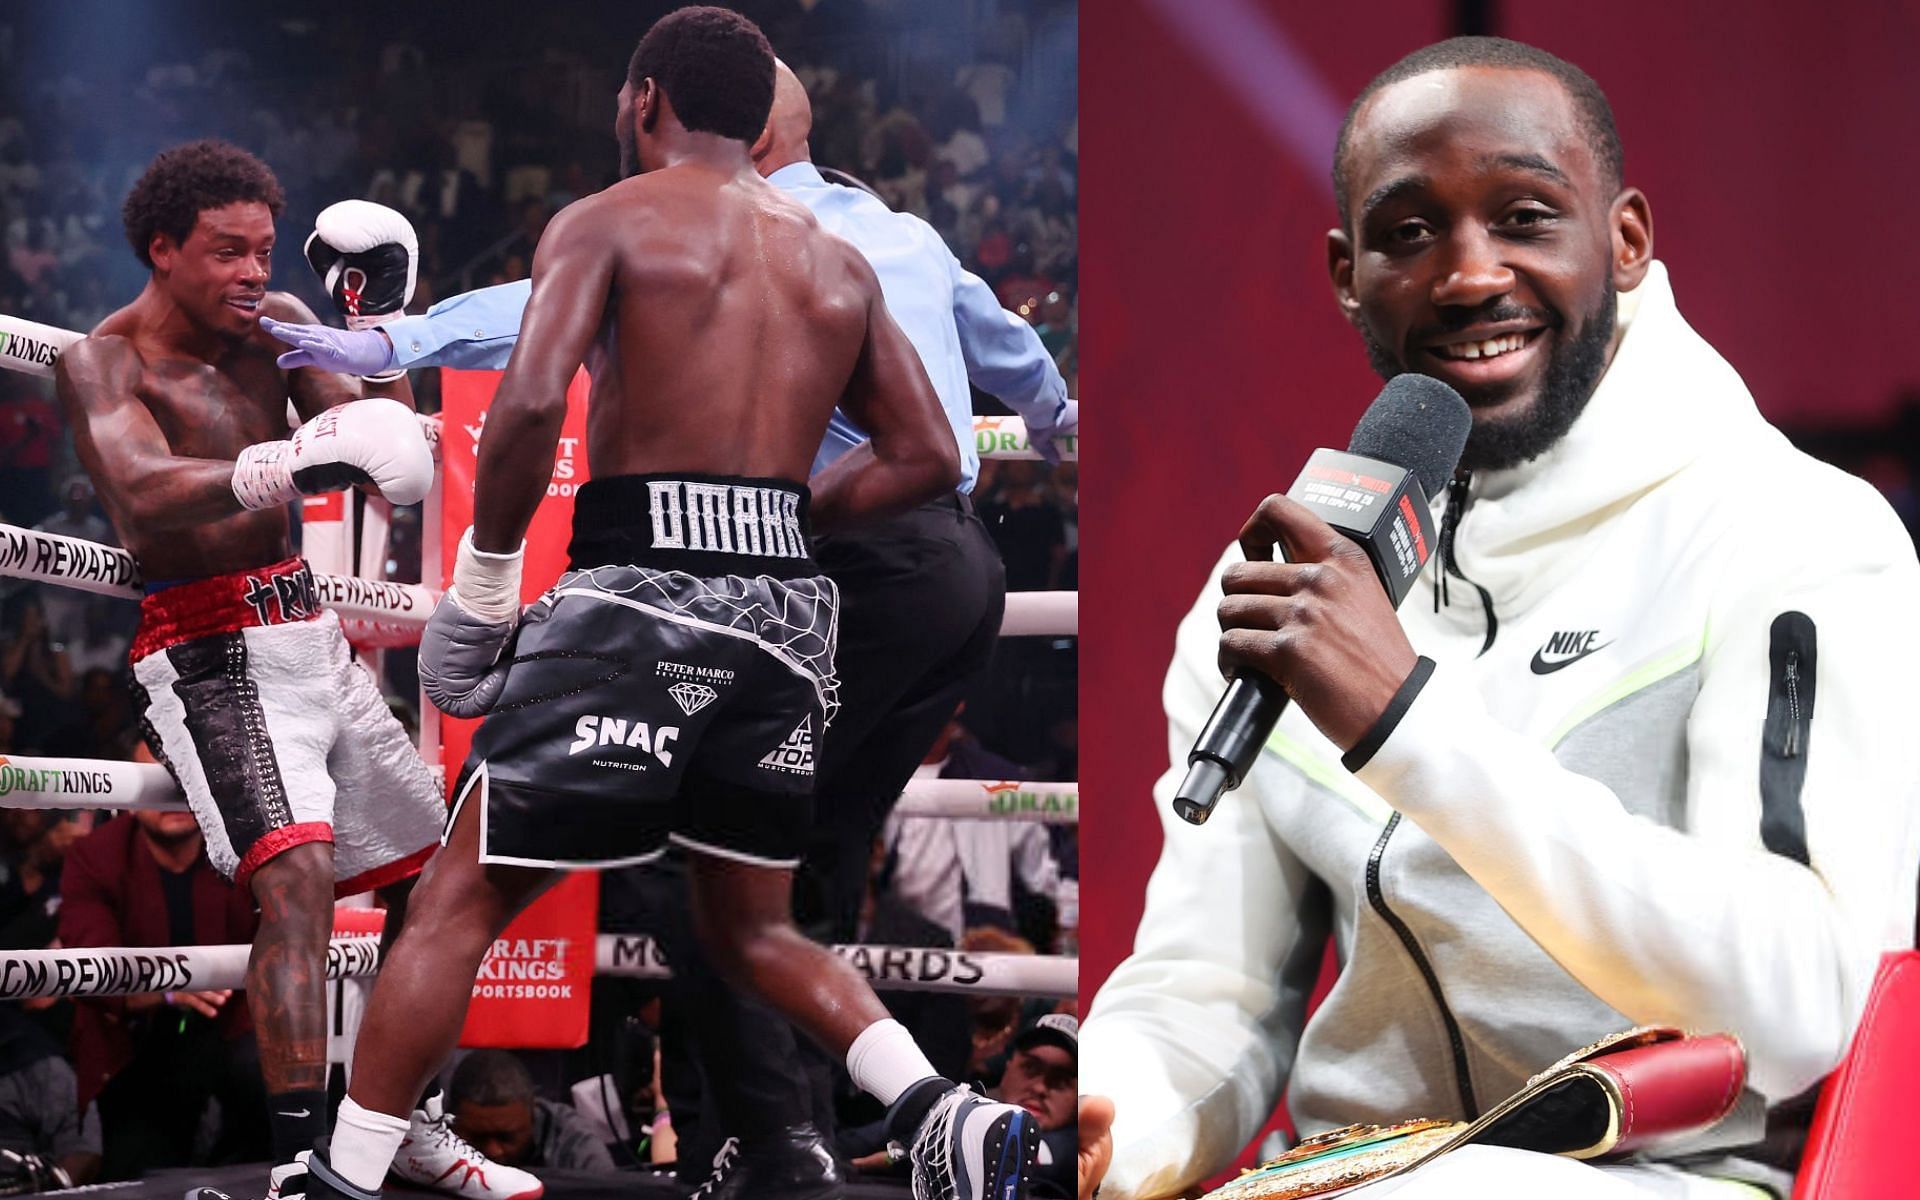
(720, 326)
(162, 396)
(161, 401)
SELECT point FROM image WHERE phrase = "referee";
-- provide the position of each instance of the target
(922, 596)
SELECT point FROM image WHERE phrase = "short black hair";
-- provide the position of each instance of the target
(183, 181)
(1589, 102)
(716, 67)
(490, 1078)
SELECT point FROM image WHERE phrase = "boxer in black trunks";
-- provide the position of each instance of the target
(673, 684)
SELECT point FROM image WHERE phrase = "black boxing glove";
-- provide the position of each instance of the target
(367, 256)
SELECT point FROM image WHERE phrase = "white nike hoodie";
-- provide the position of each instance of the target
(1670, 777)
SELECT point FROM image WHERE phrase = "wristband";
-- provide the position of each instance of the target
(262, 476)
(663, 1117)
(488, 585)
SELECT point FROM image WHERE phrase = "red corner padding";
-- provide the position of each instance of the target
(1860, 1147)
(348, 922)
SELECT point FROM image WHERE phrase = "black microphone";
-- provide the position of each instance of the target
(1404, 450)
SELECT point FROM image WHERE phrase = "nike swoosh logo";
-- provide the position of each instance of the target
(305, 1112)
(1542, 666)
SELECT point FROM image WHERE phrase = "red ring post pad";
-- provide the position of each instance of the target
(1379, 505)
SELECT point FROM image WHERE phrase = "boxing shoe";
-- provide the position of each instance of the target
(433, 1156)
(288, 1181)
(320, 1182)
(971, 1148)
(24, 1173)
(790, 1164)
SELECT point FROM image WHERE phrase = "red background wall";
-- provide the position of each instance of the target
(1775, 142)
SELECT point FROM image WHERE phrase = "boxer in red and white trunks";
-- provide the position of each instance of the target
(303, 781)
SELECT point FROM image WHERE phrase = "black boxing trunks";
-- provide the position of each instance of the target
(673, 686)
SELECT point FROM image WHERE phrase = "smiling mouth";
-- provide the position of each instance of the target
(1486, 348)
(250, 306)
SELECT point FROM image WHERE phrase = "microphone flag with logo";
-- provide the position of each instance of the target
(1377, 492)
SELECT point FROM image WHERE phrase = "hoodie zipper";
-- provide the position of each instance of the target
(1792, 655)
(1376, 898)
(1457, 501)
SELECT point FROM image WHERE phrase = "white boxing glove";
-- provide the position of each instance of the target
(368, 257)
(376, 440)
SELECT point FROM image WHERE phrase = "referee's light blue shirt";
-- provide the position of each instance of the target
(951, 316)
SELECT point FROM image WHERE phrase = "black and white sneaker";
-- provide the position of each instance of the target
(324, 1183)
(790, 1164)
(288, 1181)
(973, 1148)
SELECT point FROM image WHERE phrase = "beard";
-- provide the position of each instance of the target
(1573, 371)
(629, 155)
(169, 838)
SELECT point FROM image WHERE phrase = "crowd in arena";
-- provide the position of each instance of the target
(974, 135)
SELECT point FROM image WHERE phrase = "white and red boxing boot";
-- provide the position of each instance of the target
(433, 1156)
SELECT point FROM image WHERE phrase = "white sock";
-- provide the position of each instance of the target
(364, 1143)
(885, 1061)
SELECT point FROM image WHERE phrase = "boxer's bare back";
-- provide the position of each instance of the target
(720, 325)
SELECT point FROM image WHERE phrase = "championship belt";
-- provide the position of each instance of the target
(1622, 1093)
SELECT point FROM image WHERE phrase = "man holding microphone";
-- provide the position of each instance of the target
(1628, 766)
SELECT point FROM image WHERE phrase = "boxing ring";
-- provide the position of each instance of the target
(378, 612)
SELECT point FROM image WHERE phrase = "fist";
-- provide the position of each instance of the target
(1320, 625)
(464, 658)
(373, 441)
(367, 256)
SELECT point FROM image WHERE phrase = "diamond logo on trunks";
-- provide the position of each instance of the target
(796, 753)
(692, 697)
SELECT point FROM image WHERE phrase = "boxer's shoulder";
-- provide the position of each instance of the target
(104, 359)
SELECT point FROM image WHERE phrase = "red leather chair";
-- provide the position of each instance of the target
(1862, 1144)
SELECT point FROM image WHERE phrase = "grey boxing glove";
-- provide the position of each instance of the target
(465, 648)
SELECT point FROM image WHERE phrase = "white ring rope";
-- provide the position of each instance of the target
(988, 799)
(126, 971)
(398, 611)
(33, 348)
(1006, 437)
(887, 968)
(85, 783)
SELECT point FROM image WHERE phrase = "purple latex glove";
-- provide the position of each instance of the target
(346, 351)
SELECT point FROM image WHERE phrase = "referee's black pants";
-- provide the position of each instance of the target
(921, 600)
